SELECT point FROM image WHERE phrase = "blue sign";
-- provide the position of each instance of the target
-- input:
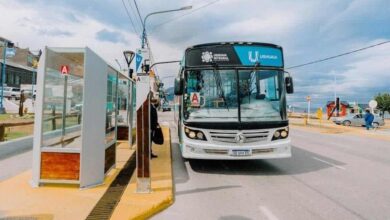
(10, 52)
(265, 56)
(138, 62)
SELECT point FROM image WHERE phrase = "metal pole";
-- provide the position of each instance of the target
(158, 12)
(64, 107)
(308, 111)
(2, 110)
(32, 86)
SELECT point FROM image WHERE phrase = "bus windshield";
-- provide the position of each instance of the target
(230, 95)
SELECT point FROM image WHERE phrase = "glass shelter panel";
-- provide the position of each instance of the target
(62, 101)
(111, 109)
(123, 95)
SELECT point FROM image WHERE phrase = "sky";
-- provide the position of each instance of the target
(307, 31)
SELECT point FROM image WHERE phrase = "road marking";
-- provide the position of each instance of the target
(268, 213)
(332, 164)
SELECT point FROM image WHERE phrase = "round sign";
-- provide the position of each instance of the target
(373, 104)
(308, 98)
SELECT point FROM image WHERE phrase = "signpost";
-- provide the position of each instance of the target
(64, 69)
(373, 104)
(319, 115)
(308, 99)
(143, 133)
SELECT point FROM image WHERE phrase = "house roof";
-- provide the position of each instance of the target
(16, 65)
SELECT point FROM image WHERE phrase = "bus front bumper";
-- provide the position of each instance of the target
(269, 150)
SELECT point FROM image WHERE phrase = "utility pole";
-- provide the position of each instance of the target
(2, 109)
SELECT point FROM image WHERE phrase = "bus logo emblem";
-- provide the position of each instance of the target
(240, 138)
(207, 57)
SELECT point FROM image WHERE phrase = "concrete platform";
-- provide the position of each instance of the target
(19, 200)
(142, 206)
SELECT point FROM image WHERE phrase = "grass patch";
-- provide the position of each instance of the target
(15, 134)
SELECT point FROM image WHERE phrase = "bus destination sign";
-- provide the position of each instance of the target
(242, 55)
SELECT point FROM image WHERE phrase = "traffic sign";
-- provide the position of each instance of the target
(10, 52)
(373, 104)
(64, 70)
(195, 99)
(308, 98)
(138, 62)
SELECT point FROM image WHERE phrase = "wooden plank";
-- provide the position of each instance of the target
(146, 138)
(139, 142)
(60, 166)
(110, 155)
(143, 136)
(123, 132)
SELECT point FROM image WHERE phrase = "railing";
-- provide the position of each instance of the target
(3, 126)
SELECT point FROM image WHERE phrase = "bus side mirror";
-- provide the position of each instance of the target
(178, 86)
(289, 85)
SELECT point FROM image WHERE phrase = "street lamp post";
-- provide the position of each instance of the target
(2, 109)
(158, 12)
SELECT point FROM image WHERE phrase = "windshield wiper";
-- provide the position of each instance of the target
(252, 78)
(218, 82)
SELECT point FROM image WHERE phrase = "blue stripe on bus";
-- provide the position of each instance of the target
(266, 56)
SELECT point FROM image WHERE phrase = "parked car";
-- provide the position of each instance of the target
(358, 120)
(11, 92)
(7, 92)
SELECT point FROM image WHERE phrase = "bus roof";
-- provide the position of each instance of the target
(234, 43)
(228, 54)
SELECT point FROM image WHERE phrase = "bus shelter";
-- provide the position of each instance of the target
(76, 117)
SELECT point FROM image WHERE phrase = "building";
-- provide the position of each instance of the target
(16, 74)
(21, 68)
(343, 108)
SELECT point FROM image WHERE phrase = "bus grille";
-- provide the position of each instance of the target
(262, 151)
(230, 137)
(216, 151)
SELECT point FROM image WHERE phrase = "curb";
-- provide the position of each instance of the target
(156, 209)
(167, 202)
(16, 146)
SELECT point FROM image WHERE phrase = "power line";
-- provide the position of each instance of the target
(180, 16)
(135, 12)
(339, 55)
(128, 14)
(139, 14)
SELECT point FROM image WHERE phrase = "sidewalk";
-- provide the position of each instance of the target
(331, 128)
(56, 201)
(141, 206)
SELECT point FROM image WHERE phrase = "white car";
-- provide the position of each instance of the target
(11, 92)
(358, 120)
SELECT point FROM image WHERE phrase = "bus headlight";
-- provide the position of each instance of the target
(280, 134)
(194, 134)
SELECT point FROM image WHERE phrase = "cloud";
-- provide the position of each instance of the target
(55, 32)
(110, 36)
(307, 31)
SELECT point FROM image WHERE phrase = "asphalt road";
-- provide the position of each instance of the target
(330, 176)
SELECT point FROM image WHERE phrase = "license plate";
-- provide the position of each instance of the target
(240, 153)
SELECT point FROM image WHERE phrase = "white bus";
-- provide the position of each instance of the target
(231, 102)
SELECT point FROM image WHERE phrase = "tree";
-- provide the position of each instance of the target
(383, 102)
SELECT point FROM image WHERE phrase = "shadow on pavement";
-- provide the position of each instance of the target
(180, 173)
(178, 193)
(302, 161)
(233, 217)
